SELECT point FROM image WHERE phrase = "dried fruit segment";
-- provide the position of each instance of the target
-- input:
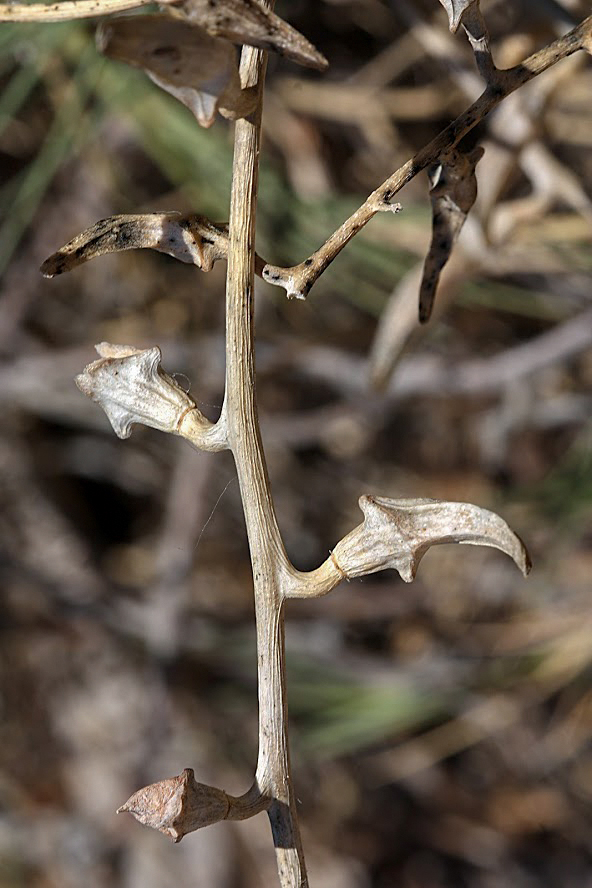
(396, 533)
(192, 239)
(250, 22)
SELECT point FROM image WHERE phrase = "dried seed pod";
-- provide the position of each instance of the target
(199, 70)
(130, 386)
(453, 193)
(397, 533)
(248, 21)
(192, 239)
(178, 805)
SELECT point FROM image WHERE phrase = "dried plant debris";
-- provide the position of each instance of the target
(192, 239)
(131, 387)
(248, 21)
(199, 70)
(455, 10)
(178, 805)
(239, 21)
(396, 533)
(64, 10)
(453, 192)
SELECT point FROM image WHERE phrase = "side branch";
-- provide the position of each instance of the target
(298, 279)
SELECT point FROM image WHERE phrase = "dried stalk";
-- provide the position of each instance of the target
(268, 556)
(298, 279)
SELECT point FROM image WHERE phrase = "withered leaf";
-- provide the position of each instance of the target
(396, 533)
(248, 21)
(199, 70)
(453, 193)
(455, 10)
(192, 239)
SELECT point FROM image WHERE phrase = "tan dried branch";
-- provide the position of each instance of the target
(199, 70)
(65, 9)
(478, 35)
(298, 279)
(191, 239)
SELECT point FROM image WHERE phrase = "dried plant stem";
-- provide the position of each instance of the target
(299, 279)
(66, 10)
(269, 560)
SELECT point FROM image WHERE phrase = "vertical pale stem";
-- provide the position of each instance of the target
(268, 556)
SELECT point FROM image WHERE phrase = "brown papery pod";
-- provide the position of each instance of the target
(396, 533)
(178, 805)
(250, 22)
(199, 70)
(192, 239)
(453, 193)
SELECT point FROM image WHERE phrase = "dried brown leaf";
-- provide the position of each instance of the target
(248, 21)
(396, 533)
(192, 239)
(453, 193)
(455, 10)
(199, 70)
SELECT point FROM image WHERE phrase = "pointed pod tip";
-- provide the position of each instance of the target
(524, 562)
(48, 268)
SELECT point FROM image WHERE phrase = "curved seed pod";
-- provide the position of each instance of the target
(397, 533)
(178, 805)
(199, 70)
(455, 10)
(248, 21)
(192, 239)
(453, 193)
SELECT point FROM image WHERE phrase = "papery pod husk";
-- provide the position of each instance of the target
(177, 805)
(397, 533)
(199, 70)
(192, 239)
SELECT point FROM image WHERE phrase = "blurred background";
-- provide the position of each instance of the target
(441, 732)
